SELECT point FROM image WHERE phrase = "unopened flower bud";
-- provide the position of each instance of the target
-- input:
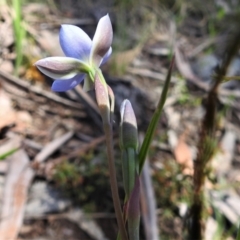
(128, 126)
(102, 98)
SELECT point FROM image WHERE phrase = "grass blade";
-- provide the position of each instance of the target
(19, 33)
(155, 119)
(238, 233)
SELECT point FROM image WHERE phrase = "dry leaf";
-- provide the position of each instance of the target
(6, 31)
(18, 179)
(123, 59)
(9, 116)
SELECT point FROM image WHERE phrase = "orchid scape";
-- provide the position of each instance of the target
(83, 60)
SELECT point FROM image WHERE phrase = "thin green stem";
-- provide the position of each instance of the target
(229, 78)
(133, 215)
(238, 233)
(113, 181)
(133, 228)
(102, 97)
(19, 33)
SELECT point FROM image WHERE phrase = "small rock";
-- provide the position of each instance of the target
(45, 199)
(204, 66)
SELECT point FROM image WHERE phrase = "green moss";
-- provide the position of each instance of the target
(84, 180)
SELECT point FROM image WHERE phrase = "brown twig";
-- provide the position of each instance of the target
(207, 143)
(48, 168)
(51, 147)
(26, 85)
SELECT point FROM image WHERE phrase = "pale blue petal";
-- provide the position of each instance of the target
(61, 67)
(65, 85)
(102, 40)
(75, 42)
(106, 56)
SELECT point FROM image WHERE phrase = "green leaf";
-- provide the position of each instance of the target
(9, 153)
(19, 32)
(129, 170)
(238, 234)
(156, 116)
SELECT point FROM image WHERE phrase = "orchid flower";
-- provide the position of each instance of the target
(83, 56)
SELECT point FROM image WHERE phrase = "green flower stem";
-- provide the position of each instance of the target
(129, 170)
(238, 233)
(114, 187)
(129, 162)
(102, 97)
(133, 211)
(133, 228)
